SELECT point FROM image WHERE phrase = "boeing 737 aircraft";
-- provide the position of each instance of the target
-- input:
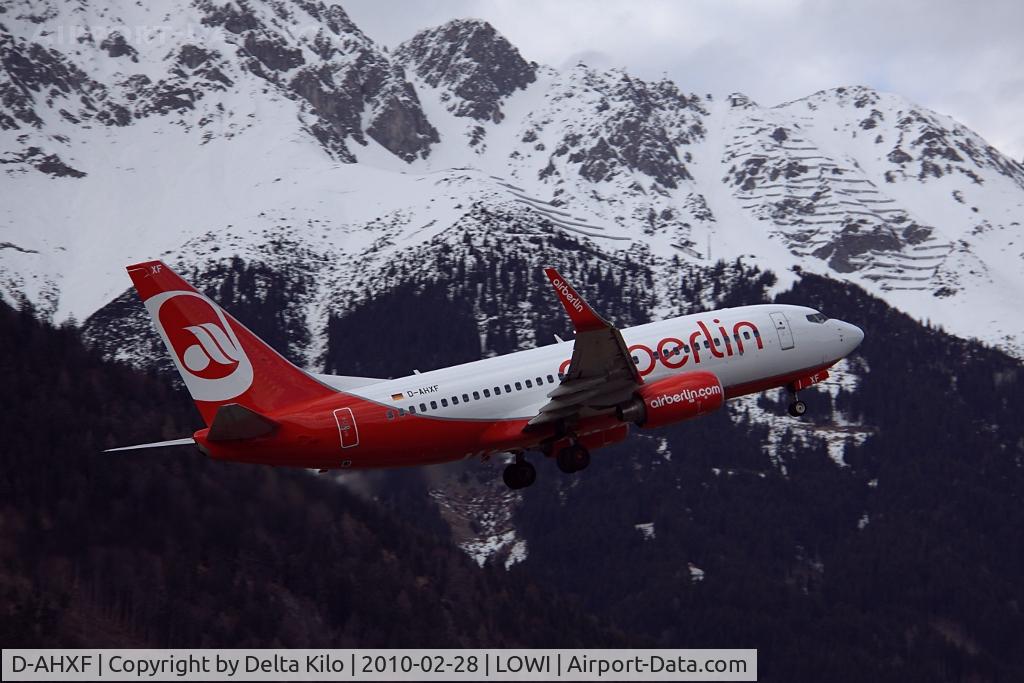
(562, 400)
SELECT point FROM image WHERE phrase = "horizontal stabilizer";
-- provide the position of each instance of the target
(158, 444)
(233, 422)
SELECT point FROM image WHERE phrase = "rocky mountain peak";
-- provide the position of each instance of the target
(212, 57)
(349, 84)
(474, 66)
(604, 126)
(917, 143)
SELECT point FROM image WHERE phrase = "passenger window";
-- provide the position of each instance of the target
(757, 334)
(444, 403)
(707, 344)
(718, 342)
(412, 410)
(433, 405)
(391, 415)
(686, 348)
(519, 386)
(508, 389)
(401, 412)
(636, 361)
(455, 400)
(540, 381)
(423, 407)
(487, 393)
(465, 398)
(476, 395)
(497, 391)
(529, 384)
(551, 380)
(746, 335)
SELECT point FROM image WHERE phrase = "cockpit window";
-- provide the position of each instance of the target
(817, 318)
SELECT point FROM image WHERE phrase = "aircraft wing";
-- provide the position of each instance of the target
(601, 373)
(346, 382)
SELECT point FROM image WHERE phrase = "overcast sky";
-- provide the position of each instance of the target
(961, 58)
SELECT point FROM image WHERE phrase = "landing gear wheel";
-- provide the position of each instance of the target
(797, 408)
(573, 459)
(519, 475)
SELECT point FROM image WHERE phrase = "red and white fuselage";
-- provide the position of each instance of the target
(448, 430)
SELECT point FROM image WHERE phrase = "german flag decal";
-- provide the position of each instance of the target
(397, 397)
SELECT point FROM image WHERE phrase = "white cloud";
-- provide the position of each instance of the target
(962, 59)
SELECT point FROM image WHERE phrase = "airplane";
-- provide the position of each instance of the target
(562, 400)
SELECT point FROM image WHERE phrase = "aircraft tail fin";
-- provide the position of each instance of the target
(220, 360)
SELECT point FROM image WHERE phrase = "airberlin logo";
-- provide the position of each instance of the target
(570, 296)
(203, 345)
(214, 347)
(675, 352)
(685, 395)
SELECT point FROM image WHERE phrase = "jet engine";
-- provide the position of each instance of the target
(673, 399)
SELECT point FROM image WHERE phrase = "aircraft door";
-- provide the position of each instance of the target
(782, 328)
(347, 430)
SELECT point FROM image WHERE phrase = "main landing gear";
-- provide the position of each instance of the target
(573, 458)
(519, 474)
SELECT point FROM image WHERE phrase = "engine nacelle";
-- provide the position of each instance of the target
(673, 399)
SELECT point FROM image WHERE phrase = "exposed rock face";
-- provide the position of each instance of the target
(352, 77)
(399, 124)
(51, 164)
(474, 65)
(351, 89)
(116, 46)
(349, 83)
(619, 125)
(34, 77)
(920, 144)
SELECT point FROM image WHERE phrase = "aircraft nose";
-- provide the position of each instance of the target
(850, 335)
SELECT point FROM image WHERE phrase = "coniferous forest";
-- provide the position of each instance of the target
(903, 564)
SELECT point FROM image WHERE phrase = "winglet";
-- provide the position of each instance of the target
(583, 317)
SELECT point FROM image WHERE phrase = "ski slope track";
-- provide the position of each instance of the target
(278, 132)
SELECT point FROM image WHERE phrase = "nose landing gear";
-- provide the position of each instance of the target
(797, 408)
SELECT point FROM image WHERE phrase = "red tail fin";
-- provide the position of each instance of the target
(220, 360)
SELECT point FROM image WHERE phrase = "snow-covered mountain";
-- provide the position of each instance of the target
(280, 133)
